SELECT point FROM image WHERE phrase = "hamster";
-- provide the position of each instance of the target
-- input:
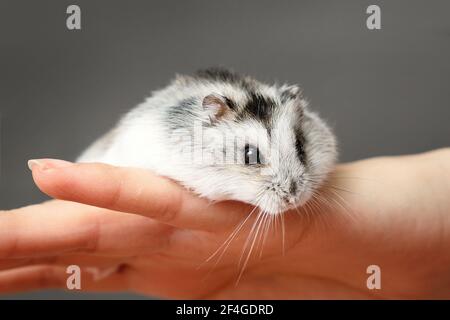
(225, 136)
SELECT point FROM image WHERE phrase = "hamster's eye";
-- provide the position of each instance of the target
(251, 155)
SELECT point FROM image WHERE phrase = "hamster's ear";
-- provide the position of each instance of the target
(216, 107)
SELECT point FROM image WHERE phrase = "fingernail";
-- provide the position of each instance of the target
(32, 163)
(44, 164)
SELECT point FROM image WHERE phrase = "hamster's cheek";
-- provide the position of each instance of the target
(244, 189)
(304, 195)
(271, 204)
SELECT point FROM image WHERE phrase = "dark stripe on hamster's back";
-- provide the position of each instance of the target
(259, 107)
(219, 74)
(300, 146)
(230, 103)
(181, 115)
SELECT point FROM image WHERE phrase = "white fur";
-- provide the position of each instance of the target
(141, 139)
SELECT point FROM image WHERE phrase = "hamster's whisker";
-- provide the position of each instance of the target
(224, 246)
(318, 205)
(306, 212)
(258, 218)
(256, 232)
(306, 209)
(261, 237)
(261, 234)
(314, 204)
(276, 226)
(331, 186)
(266, 232)
(309, 212)
(283, 232)
(229, 239)
(346, 177)
(249, 237)
(331, 203)
(344, 205)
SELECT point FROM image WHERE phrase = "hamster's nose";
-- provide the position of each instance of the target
(288, 200)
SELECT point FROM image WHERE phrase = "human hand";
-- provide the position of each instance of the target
(393, 212)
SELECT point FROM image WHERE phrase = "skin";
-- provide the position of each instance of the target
(393, 212)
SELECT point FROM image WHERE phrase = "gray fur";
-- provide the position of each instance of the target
(298, 147)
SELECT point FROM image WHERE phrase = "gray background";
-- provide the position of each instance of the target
(384, 92)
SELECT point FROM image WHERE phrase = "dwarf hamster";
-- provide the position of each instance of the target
(226, 136)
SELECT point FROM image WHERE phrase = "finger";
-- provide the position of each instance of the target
(58, 227)
(82, 260)
(56, 277)
(136, 191)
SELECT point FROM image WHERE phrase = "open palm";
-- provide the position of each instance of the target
(130, 230)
